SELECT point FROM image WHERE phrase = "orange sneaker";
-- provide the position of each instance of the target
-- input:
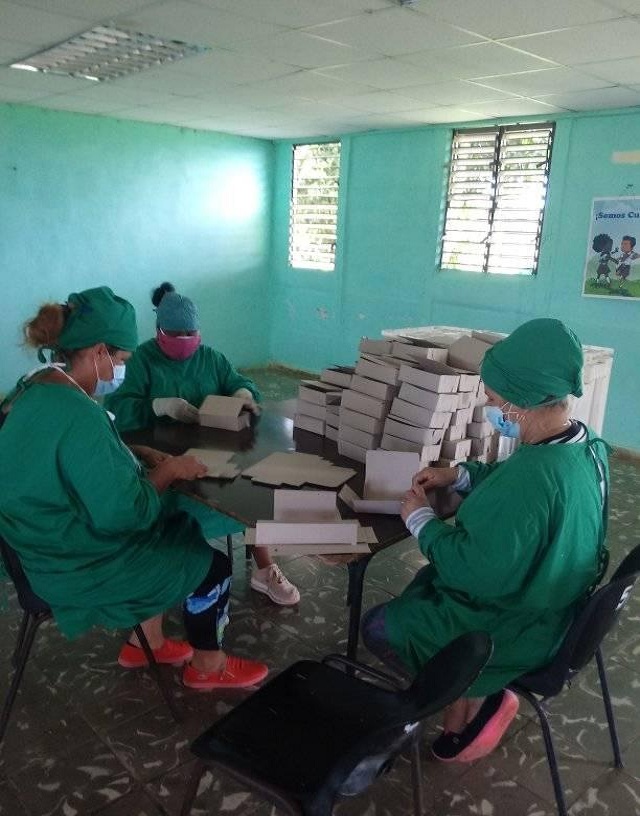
(174, 652)
(237, 673)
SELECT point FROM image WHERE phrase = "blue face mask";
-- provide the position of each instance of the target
(104, 387)
(504, 426)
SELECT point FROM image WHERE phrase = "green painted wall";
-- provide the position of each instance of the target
(392, 187)
(88, 200)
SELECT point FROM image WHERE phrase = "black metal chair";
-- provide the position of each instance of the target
(322, 731)
(36, 612)
(581, 644)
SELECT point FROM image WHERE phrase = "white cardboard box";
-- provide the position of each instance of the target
(363, 422)
(333, 420)
(376, 369)
(456, 450)
(337, 375)
(388, 476)
(479, 429)
(319, 392)
(413, 433)
(368, 346)
(354, 401)
(419, 416)
(330, 432)
(355, 436)
(309, 423)
(462, 416)
(408, 351)
(373, 388)
(227, 413)
(431, 375)
(351, 451)
(481, 446)
(395, 443)
(479, 414)
(311, 409)
(466, 399)
(455, 432)
(467, 353)
(429, 454)
(468, 382)
(428, 399)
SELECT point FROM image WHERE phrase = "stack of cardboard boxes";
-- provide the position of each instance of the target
(413, 396)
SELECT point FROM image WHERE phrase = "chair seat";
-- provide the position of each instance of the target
(292, 731)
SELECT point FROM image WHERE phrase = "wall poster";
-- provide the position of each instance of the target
(612, 267)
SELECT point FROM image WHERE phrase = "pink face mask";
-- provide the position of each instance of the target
(178, 348)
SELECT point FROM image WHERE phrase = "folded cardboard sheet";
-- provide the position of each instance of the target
(388, 476)
(216, 461)
(296, 469)
(227, 413)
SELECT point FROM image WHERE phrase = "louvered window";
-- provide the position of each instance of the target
(497, 190)
(313, 217)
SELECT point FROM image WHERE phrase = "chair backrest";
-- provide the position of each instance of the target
(596, 618)
(27, 598)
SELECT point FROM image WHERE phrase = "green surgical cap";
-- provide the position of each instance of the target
(539, 362)
(99, 316)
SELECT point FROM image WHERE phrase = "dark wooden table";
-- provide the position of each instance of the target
(249, 502)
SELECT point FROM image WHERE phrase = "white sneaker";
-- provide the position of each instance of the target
(271, 581)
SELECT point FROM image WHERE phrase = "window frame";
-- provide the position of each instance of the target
(499, 131)
(309, 265)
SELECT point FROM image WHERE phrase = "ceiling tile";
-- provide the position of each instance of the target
(584, 43)
(595, 100)
(628, 6)
(382, 102)
(9, 94)
(297, 13)
(458, 92)
(516, 107)
(304, 50)
(445, 115)
(394, 31)
(232, 67)
(87, 10)
(180, 20)
(506, 18)
(471, 61)
(11, 51)
(168, 79)
(615, 72)
(36, 26)
(309, 84)
(549, 80)
(385, 73)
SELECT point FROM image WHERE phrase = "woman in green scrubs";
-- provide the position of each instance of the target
(85, 520)
(527, 546)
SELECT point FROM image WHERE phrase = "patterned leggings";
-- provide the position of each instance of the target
(206, 610)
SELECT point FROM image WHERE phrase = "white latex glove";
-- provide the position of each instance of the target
(249, 403)
(176, 408)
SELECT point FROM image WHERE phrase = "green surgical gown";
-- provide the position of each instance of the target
(151, 374)
(526, 547)
(87, 525)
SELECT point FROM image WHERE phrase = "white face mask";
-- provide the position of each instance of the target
(104, 387)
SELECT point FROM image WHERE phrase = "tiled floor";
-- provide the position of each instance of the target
(87, 737)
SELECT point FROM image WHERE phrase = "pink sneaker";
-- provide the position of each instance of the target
(174, 652)
(237, 673)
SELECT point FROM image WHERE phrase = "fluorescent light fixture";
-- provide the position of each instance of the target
(107, 52)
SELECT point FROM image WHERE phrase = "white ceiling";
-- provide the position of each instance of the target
(301, 68)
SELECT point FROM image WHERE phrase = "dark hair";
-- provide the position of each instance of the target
(602, 243)
(160, 292)
(629, 238)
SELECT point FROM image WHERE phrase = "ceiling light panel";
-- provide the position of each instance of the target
(107, 52)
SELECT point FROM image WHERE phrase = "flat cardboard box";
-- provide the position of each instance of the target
(478, 430)
(227, 413)
(455, 432)
(412, 433)
(419, 416)
(368, 346)
(466, 399)
(311, 409)
(354, 401)
(312, 538)
(457, 450)
(431, 375)
(308, 423)
(216, 461)
(333, 420)
(305, 505)
(363, 422)
(467, 353)
(479, 414)
(337, 375)
(462, 416)
(296, 469)
(428, 399)
(365, 440)
(404, 350)
(481, 446)
(388, 476)
(376, 369)
(319, 392)
(429, 454)
(395, 443)
(332, 410)
(373, 388)
(330, 432)
(351, 451)
(468, 381)
(488, 337)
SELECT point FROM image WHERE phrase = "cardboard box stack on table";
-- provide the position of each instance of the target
(416, 396)
(316, 401)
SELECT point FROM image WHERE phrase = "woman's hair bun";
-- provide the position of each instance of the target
(45, 328)
(161, 291)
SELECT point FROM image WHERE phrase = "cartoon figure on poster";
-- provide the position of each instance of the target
(611, 268)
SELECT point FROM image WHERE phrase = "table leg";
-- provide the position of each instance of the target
(357, 569)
